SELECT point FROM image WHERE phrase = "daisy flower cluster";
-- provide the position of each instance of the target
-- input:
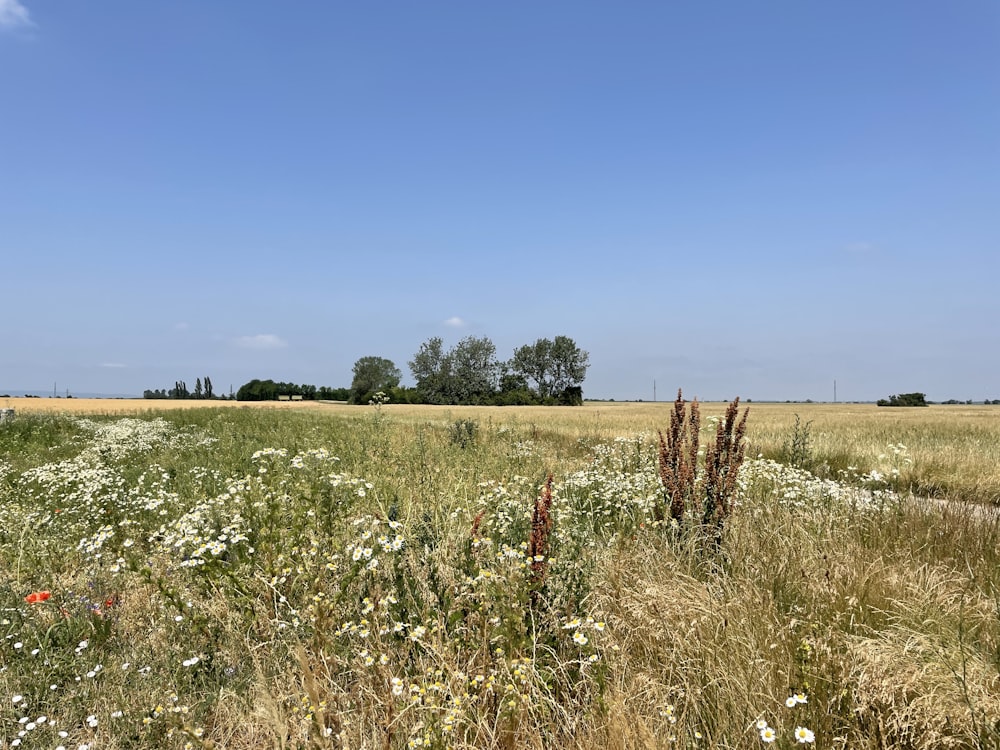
(605, 500)
(791, 487)
(376, 538)
(802, 735)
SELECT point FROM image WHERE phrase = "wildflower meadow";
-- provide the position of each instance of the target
(374, 578)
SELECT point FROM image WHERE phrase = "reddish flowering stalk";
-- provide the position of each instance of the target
(37, 597)
(678, 460)
(678, 465)
(722, 465)
(474, 533)
(538, 542)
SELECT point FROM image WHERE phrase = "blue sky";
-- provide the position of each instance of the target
(736, 198)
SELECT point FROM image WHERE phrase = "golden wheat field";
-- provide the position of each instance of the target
(132, 405)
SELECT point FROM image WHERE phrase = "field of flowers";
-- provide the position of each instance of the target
(251, 578)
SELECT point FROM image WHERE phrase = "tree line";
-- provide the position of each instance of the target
(546, 372)
(202, 389)
(549, 371)
(268, 390)
(920, 399)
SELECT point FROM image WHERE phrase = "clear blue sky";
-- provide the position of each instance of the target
(738, 198)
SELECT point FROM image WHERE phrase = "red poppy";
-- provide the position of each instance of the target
(37, 596)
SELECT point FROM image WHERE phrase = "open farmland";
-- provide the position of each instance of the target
(946, 452)
(315, 575)
(135, 405)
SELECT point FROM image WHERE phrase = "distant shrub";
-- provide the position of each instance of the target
(904, 399)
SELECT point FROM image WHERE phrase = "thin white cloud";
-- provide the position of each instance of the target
(112, 364)
(860, 248)
(455, 322)
(13, 14)
(182, 326)
(260, 341)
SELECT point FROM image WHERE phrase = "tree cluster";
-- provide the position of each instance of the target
(371, 375)
(904, 399)
(202, 389)
(269, 390)
(545, 372)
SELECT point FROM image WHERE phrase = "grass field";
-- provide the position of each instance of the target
(948, 452)
(315, 575)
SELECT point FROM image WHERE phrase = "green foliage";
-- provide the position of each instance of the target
(325, 393)
(462, 432)
(796, 450)
(258, 390)
(371, 375)
(475, 371)
(516, 397)
(553, 365)
(403, 395)
(470, 373)
(29, 435)
(904, 399)
(268, 390)
(202, 390)
(571, 396)
(431, 368)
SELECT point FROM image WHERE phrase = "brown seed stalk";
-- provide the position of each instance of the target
(538, 541)
(678, 459)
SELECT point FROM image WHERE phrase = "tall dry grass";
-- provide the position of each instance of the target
(888, 622)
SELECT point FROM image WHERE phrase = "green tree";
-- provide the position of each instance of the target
(468, 373)
(553, 366)
(258, 390)
(431, 368)
(475, 371)
(373, 374)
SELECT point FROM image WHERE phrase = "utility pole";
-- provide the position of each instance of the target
(654, 390)
(835, 391)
